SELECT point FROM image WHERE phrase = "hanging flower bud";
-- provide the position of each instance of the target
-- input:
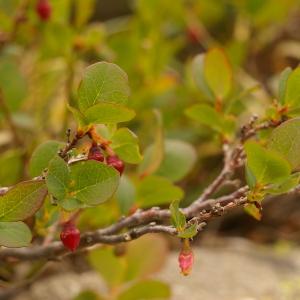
(95, 153)
(115, 162)
(70, 236)
(43, 9)
(186, 258)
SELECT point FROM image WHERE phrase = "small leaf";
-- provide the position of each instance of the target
(253, 211)
(125, 194)
(92, 182)
(266, 165)
(189, 232)
(292, 91)
(58, 178)
(109, 266)
(285, 186)
(218, 73)
(154, 154)
(208, 116)
(198, 74)
(145, 256)
(125, 144)
(250, 178)
(107, 113)
(103, 82)
(89, 182)
(22, 201)
(147, 289)
(179, 159)
(178, 218)
(155, 190)
(42, 155)
(14, 234)
(11, 163)
(285, 139)
(283, 84)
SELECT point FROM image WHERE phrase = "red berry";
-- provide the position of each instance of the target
(95, 153)
(116, 162)
(70, 236)
(43, 9)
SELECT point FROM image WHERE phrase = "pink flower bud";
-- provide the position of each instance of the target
(186, 260)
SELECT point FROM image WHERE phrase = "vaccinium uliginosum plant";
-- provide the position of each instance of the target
(87, 170)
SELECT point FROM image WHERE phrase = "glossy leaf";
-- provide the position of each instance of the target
(22, 201)
(14, 234)
(218, 73)
(285, 139)
(156, 190)
(42, 155)
(103, 82)
(266, 165)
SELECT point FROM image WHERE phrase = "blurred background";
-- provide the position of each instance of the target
(42, 57)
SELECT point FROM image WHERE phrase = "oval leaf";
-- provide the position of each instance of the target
(107, 113)
(285, 139)
(22, 201)
(42, 155)
(14, 234)
(103, 82)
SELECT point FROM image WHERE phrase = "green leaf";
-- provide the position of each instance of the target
(145, 256)
(22, 201)
(285, 139)
(250, 178)
(178, 218)
(93, 182)
(42, 155)
(285, 186)
(154, 154)
(208, 116)
(109, 266)
(12, 83)
(283, 84)
(266, 165)
(88, 295)
(14, 234)
(218, 73)
(103, 82)
(198, 74)
(253, 211)
(292, 92)
(125, 144)
(179, 159)
(147, 289)
(106, 113)
(58, 178)
(89, 182)
(156, 190)
(84, 11)
(125, 194)
(11, 163)
(189, 232)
